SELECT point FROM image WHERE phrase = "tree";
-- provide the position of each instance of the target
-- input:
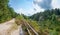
(6, 12)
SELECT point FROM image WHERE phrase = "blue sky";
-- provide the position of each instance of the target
(22, 5)
(30, 7)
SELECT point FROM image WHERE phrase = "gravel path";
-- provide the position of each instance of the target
(18, 31)
(4, 27)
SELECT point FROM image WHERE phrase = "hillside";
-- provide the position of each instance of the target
(47, 14)
(49, 21)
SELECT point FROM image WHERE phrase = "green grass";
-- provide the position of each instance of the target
(35, 25)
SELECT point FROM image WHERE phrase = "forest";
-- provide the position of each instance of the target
(49, 21)
(6, 12)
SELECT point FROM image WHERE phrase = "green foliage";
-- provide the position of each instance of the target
(47, 14)
(6, 12)
(34, 25)
(48, 20)
(53, 32)
(19, 17)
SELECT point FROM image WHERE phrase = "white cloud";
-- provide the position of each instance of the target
(30, 11)
(25, 12)
(38, 0)
(56, 4)
(21, 11)
(36, 7)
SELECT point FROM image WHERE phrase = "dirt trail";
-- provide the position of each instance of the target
(18, 31)
(4, 27)
(15, 32)
(7, 28)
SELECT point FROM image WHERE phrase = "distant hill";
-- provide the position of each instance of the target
(47, 14)
(49, 21)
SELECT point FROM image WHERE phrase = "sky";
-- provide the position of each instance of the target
(30, 7)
